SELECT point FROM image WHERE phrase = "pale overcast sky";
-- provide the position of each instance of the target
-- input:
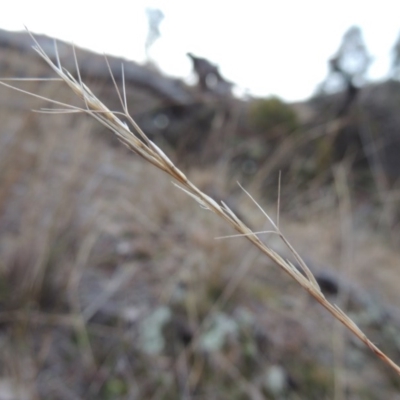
(269, 47)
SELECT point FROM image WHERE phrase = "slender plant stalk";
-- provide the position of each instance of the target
(139, 143)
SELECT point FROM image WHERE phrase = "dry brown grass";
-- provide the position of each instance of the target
(133, 209)
(141, 145)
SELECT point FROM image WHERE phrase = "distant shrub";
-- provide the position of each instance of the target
(272, 114)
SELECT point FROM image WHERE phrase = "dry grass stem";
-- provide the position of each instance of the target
(139, 143)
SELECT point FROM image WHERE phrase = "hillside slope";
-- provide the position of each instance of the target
(113, 286)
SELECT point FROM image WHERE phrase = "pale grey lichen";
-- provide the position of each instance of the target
(151, 337)
(220, 327)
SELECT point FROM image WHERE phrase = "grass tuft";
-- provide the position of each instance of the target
(137, 141)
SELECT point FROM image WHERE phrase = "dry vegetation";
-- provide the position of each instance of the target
(112, 284)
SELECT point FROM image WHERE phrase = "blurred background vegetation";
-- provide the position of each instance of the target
(112, 285)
